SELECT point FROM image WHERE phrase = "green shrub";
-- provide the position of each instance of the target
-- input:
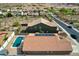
(17, 31)
(67, 11)
(9, 14)
(1, 15)
(16, 24)
(5, 37)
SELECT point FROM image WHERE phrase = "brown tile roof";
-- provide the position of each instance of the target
(46, 43)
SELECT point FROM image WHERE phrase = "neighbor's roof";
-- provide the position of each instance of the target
(1, 41)
(41, 20)
(46, 43)
(2, 34)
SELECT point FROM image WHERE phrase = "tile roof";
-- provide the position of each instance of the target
(41, 20)
(46, 43)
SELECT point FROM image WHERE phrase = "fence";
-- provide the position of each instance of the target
(7, 41)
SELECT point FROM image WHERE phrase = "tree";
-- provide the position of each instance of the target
(63, 10)
(73, 11)
(9, 14)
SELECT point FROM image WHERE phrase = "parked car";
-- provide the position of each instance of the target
(73, 36)
(69, 26)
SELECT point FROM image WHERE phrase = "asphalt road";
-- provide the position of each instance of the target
(71, 31)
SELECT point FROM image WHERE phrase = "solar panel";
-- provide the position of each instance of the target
(44, 34)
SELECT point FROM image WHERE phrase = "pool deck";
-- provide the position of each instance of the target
(11, 50)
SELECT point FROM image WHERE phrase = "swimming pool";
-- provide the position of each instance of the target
(18, 41)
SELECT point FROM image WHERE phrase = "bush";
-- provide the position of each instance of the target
(16, 24)
(51, 10)
(5, 37)
(17, 31)
(1, 15)
(67, 11)
(9, 14)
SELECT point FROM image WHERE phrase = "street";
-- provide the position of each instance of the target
(71, 31)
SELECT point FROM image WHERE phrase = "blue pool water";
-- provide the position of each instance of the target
(18, 41)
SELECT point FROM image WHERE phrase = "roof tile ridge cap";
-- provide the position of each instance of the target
(43, 21)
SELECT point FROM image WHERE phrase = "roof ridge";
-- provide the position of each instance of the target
(40, 20)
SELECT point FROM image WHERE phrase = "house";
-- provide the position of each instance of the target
(16, 12)
(1, 12)
(33, 13)
(24, 13)
(41, 25)
(51, 44)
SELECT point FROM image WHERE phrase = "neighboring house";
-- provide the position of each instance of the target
(24, 13)
(4, 12)
(41, 25)
(32, 13)
(42, 12)
(15, 12)
(1, 12)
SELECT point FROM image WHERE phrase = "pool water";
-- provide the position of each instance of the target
(18, 41)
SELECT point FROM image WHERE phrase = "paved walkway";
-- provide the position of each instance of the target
(11, 50)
